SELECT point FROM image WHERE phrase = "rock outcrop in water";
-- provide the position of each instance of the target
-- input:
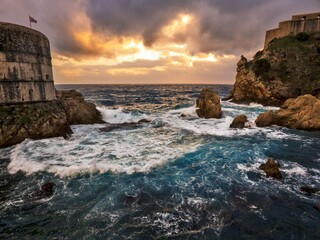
(239, 121)
(78, 110)
(208, 104)
(287, 68)
(126, 125)
(298, 113)
(45, 120)
(271, 168)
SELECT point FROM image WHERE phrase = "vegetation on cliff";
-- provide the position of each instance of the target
(287, 68)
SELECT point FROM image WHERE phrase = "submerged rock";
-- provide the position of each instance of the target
(209, 104)
(126, 125)
(299, 113)
(309, 190)
(239, 121)
(271, 168)
(45, 191)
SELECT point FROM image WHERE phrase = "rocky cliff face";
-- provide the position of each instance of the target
(36, 121)
(287, 68)
(45, 120)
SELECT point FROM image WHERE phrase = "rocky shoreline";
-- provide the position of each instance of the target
(45, 119)
(287, 68)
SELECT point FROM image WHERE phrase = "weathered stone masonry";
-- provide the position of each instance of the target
(25, 65)
(299, 23)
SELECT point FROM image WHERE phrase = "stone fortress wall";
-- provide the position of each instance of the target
(299, 23)
(25, 65)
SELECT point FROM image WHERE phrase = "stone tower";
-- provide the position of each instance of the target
(25, 65)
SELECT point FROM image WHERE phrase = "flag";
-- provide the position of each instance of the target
(31, 19)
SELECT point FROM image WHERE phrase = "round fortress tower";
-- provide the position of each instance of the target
(25, 65)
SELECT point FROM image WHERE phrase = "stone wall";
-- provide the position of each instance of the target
(25, 65)
(300, 23)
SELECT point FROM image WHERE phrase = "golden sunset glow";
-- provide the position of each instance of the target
(125, 56)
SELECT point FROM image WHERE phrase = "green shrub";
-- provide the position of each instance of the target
(23, 120)
(261, 67)
(302, 37)
(258, 54)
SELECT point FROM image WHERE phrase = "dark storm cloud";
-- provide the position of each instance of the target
(225, 26)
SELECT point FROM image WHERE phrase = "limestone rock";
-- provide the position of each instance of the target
(299, 113)
(271, 168)
(242, 61)
(239, 121)
(286, 68)
(78, 110)
(209, 104)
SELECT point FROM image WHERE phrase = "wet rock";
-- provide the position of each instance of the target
(143, 121)
(309, 190)
(46, 190)
(317, 206)
(271, 168)
(298, 113)
(78, 110)
(126, 125)
(183, 115)
(209, 104)
(239, 121)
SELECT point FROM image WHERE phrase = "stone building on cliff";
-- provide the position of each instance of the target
(25, 65)
(299, 23)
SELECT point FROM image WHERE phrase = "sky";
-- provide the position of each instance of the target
(152, 41)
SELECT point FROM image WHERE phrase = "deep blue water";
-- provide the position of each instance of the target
(173, 178)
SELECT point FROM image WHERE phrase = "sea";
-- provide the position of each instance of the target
(175, 177)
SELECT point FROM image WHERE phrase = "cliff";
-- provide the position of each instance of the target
(287, 68)
(45, 120)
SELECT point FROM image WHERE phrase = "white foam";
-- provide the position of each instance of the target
(119, 115)
(139, 150)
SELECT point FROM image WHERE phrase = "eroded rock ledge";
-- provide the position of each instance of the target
(45, 120)
(298, 113)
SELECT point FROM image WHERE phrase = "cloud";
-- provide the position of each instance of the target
(222, 26)
(111, 40)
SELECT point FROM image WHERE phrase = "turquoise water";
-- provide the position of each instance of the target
(173, 178)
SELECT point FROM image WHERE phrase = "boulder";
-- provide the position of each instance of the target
(208, 104)
(78, 110)
(239, 121)
(271, 168)
(298, 113)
